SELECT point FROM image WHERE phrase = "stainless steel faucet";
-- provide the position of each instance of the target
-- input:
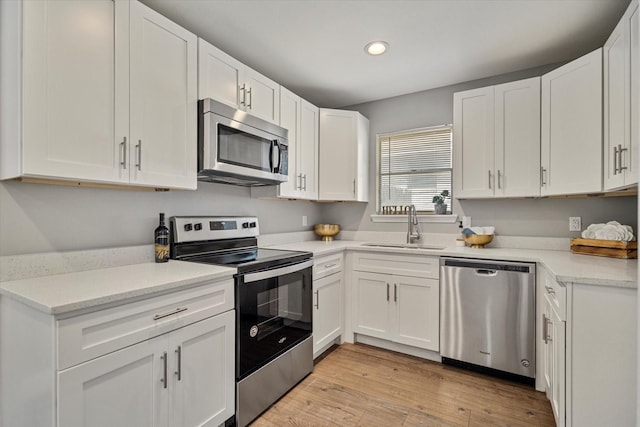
(413, 229)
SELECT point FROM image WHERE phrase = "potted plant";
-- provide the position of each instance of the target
(439, 204)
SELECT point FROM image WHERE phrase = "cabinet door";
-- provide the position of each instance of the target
(338, 155)
(219, 75)
(202, 372)
(327, 313)
(572, 127)
(262, 97)
(290, 119)
(75, 89)
(616, 56)
(417, 302)
(163, 101)
(547, 350)
(558, 379)
(517, 138)
(371, 296)
(123, 388)
(308, 149)
(630, 157)
(473, 143)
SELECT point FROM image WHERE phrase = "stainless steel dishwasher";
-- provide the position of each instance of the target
(487, 316)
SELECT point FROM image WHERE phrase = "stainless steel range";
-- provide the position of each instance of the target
(273, 301)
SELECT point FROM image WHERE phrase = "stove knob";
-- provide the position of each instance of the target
(252, 225)
(188, 227)
(197, 226)
(245, 225)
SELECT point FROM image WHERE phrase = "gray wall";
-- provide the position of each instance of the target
(42, 218)
(516, 217)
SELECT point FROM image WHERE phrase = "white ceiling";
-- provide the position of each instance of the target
(316, 47)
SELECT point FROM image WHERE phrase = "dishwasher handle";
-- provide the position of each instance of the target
(486, 272)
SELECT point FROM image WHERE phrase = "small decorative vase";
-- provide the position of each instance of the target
(440, 209)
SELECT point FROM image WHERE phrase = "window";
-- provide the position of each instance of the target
(414, 166)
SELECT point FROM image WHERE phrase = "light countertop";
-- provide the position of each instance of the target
(62, 293)
(564, 266)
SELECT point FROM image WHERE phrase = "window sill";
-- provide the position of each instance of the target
(443, 219)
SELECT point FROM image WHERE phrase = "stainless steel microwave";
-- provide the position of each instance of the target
(235, 147)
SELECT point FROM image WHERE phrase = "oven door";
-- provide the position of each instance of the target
(274, 314)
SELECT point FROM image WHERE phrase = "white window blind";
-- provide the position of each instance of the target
(413, 167)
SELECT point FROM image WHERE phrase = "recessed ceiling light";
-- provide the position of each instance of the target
(376, 48)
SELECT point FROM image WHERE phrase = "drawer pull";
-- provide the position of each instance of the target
(330, 265)
(176, 311)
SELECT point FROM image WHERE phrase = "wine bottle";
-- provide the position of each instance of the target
(161, 239)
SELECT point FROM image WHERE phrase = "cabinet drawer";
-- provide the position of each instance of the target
(326, 265)
(390, 263)
(94, 334)
(557, 296)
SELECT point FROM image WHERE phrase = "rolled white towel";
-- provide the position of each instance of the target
(612, 230)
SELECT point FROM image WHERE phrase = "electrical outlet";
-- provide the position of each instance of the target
(304, 220)
(575, 223)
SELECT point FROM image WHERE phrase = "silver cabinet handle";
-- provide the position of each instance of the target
(387, 292)
(299, 179)
(318, 299)
(542, 180)
(171, 313)
(395, 292)
(179, 371)
(243, 89)
(354, 187)
(545, 326)
(548, 336)
(250, 92)
(489, 179)
(123, 144)
(163, 380)
(330, 265)
(139, 155)
(305, 182)
(615, 160)
(499, 176)
(620, 150)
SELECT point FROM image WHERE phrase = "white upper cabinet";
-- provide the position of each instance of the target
(300, 118)
(307, 161)
(473, 142)
(571, 152)
(68, 87)
(621, 80)
(344, 156)
(163, 101)
(497, 140)
(75, 107)
(225, 79)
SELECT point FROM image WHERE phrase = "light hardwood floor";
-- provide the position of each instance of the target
(359, 385)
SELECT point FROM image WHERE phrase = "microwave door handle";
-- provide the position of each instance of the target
(276, 168)
(271, 159)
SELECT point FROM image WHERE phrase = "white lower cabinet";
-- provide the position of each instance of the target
(554, 343)
(178, 379)
(589, 353)
(166, 361)
(328, 307)
(394, 307)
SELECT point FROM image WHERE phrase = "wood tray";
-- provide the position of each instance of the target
(607, 248)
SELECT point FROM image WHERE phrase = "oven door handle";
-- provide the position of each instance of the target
(269, 274)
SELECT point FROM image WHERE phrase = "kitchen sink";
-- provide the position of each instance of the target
(405, 246)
